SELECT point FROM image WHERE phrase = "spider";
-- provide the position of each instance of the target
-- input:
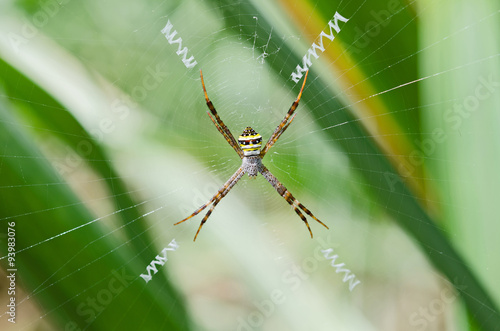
(248, 148)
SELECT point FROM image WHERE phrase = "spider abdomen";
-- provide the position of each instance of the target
(252, 165)
(250, 142)
(248, 148)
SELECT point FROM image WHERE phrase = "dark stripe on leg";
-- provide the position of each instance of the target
(291, 200)
(205, 218)
(309, 213)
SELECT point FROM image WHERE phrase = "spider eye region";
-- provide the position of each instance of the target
(250, 142)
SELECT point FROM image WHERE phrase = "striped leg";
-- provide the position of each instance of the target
(216, 199)
(219, 124)
(285, 123)
(282, 190)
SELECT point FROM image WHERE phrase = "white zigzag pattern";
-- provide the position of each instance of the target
(339, 268)
(160, 260)
(169, 35)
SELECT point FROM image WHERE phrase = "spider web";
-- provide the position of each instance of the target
(253, 265)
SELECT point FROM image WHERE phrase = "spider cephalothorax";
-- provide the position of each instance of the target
(248, 148)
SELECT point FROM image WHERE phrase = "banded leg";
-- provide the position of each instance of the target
(219, 124)
(282, 190)
(215, 199)
(285, 123)
(223, 133)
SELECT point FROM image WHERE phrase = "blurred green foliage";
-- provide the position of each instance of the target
(105, 144)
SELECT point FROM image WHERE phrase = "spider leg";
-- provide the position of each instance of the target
(282, 190)
(228, 139)
(285, 123)
(219, 124)
(216, 199)
(207, 215)
(286, 126)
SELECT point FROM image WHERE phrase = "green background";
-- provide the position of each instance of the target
(105, 143)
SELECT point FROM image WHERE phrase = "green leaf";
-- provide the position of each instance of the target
(81, 268)
(380, 168)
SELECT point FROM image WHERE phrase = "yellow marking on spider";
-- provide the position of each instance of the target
(249, 149)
